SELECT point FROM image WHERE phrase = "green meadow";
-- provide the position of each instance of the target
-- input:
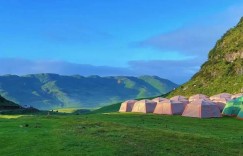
(118, 134)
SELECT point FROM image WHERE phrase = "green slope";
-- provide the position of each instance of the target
(223, 72)
(49, 91)
(119, 134)
(107, 109)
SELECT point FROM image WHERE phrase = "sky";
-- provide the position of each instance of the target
(169, 38)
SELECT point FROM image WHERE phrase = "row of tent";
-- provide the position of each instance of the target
(199, 105)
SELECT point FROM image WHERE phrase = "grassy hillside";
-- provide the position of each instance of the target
(119, 134)
(107, 109)
(223, 72)
(50, 91)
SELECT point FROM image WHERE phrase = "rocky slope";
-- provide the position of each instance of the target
(223, 72)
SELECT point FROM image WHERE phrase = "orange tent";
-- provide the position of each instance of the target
(127, 106)
(144, 106)
(201, 109)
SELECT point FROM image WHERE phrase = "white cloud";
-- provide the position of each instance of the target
(196, 39)
(177, 71)
(23, 66)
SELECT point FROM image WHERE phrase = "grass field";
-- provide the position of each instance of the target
(72, 110)
(119, 134)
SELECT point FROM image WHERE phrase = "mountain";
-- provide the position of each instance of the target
(6, 104)
(223, 72)
(47, 91)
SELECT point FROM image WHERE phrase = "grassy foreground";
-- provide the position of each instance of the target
(119, 134)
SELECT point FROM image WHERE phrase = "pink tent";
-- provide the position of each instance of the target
(127, 106)
(169, 107)
(180, 98)
(236, 95)
(201, 109)
(158, 109)
(159, 99)
(220, 96)
(198, 97)
(144, 106)
(221, 103)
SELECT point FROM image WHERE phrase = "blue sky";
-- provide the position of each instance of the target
(169, 38)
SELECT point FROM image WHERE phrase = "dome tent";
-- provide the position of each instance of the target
(180, 98)
(127, 106)
(159, 99)
(236, 95)
(158, 109)
(221, 96)
(221, 103)
(221, 99)
(201, 108)
(198, 97)
(169, 107)
(233, 107)
(144, 106)
(240, 114)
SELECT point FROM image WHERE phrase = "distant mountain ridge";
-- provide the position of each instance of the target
(46, 91)
(223, 72)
